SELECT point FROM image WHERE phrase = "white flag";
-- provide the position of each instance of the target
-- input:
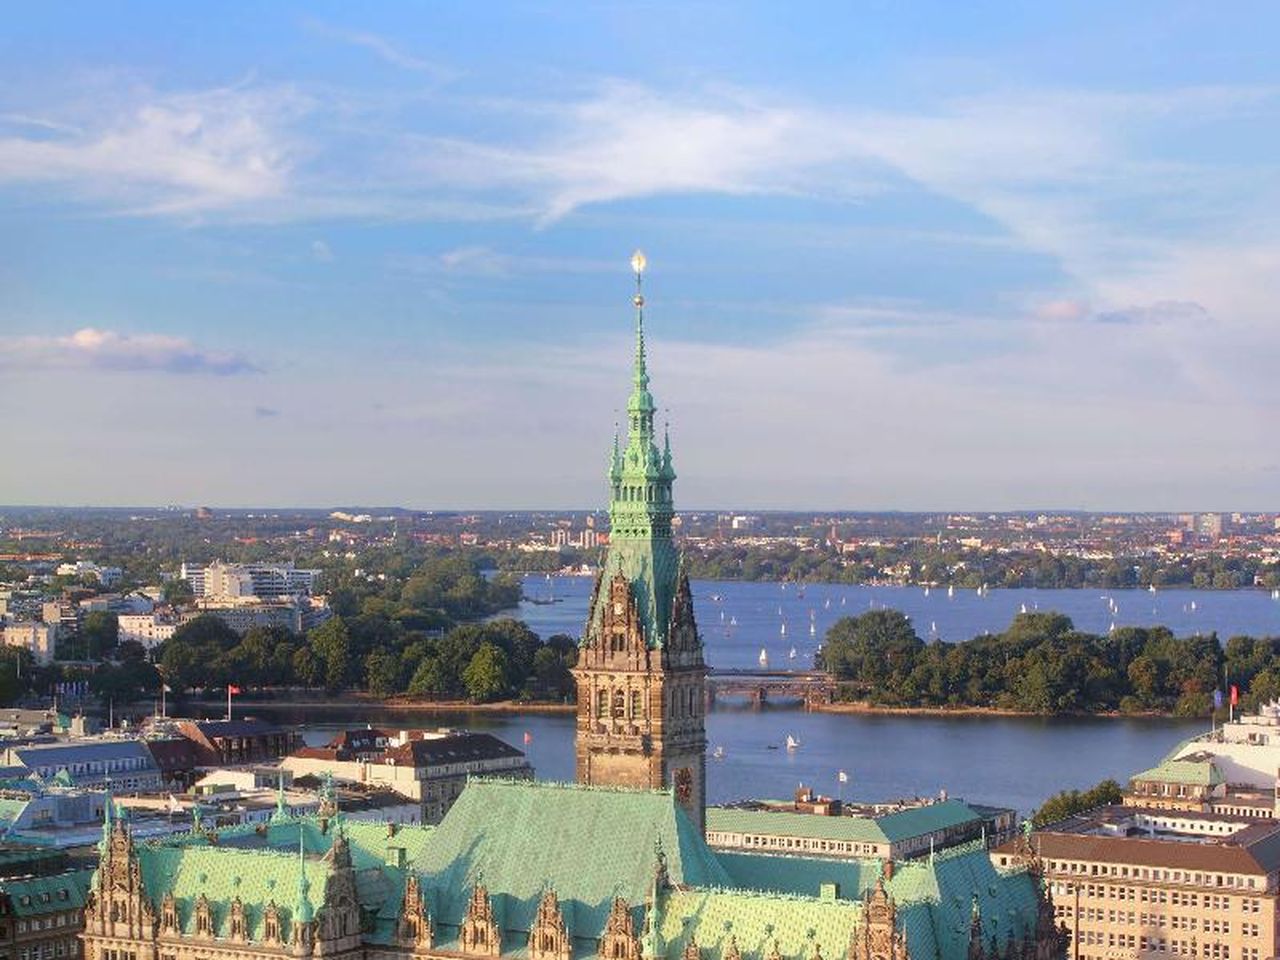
(843, 777)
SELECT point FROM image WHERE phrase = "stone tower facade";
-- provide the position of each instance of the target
(640, 672)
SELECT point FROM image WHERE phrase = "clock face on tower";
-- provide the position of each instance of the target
(684, 785)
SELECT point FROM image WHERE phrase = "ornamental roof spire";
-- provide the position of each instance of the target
(641, 400)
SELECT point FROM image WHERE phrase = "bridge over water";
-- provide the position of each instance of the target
(811, 687)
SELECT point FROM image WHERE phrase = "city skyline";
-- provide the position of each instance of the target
(1016, 260)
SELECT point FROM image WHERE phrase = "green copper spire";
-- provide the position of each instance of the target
(640, 503)
(302, 911)
(106, 818)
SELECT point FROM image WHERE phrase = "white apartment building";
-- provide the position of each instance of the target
(263, 580)
(148, 629)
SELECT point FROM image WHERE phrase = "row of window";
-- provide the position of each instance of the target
(1177, 898)
(1152, 873)
(47, 951)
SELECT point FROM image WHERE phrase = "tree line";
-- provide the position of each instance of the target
(1041, 664)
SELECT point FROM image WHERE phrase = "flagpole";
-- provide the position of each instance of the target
(228, 701)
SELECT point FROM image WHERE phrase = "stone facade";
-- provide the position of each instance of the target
(640, 671)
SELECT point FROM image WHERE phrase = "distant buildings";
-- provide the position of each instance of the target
(221, 743)
(297, 614)
(106, 576)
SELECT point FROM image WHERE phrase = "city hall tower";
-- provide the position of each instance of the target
(640, 672)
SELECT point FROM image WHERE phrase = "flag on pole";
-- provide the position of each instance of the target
(842, 777)
(1217, 699)
(1235, 695)
(167, 688)
(232, 689)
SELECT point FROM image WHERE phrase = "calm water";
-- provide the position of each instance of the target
(738, 619)
(1011, 761)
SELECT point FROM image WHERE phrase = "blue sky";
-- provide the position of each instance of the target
(917, 256)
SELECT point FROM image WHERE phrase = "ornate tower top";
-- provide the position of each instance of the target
(640, 503)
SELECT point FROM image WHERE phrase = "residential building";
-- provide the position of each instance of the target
(41, 917)
(148, 629)
(429, 767)
(39, 639)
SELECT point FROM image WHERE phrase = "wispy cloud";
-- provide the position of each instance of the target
(265, 413)
(321, 251)
(141, 151)
(383, 49)
(94, 349)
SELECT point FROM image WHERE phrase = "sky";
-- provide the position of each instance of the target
(901, 255)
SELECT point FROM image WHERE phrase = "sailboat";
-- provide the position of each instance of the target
(783, 631)
(926, 590)
(763, 658)
(951, 591)
(1193, 606)
(779, 611)
(827, 603)
(842, 601)
(1275, 594)
(1151, 589)
(792, 654)
(721, 616)
(933, 627)
(792, 742)
(1023, 608)
(813, 629)
(718, 753)
(1112, 628)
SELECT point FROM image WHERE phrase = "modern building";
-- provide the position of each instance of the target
(429, 767)
(640, 667)
(297, 614)
(125, 764)
(220, 743)
(265, 581)
(1150, 883)
(901, 835)
(107, 576)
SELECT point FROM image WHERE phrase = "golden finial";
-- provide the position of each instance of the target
(638, 264)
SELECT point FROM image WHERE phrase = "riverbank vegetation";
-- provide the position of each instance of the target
(1068, 803)
(1041, 664)
(948, 564)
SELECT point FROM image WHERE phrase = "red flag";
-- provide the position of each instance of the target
(232, 689)
(1235, 695)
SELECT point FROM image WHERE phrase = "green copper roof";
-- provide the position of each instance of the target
(589, 844)
(257, 877)
(934, 895)
(799, 924)
(891, 828)
(641, 508)
(1199, 773)
(33, 896)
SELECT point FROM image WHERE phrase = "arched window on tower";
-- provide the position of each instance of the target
(602, 704)
(619, 704)
(635, 705)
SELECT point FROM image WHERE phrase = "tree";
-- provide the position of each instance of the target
(307, 667)
(100, 630)
(177, 592)
(1070, 802)
(428, 679)
(332, 645)
(486, 675)
(382, 673)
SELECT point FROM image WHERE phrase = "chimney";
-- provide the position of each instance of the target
(886, 869)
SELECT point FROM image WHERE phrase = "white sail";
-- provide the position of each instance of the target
(764, 657)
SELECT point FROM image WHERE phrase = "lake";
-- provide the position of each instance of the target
(1012, 761)
(739, 619)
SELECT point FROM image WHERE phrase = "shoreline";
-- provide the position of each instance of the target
(851, 707)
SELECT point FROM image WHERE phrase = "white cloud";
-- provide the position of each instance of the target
(90, 348)
(140, 151)
(383, 49)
